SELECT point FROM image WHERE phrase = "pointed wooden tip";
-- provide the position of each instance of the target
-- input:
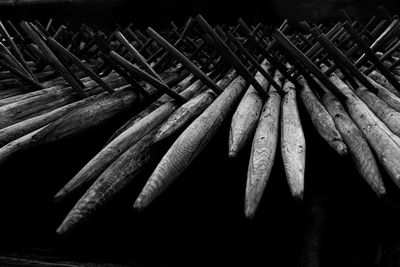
(64, 227)
(298, 196)
(341, 148)
(249, 210)
(71, 221)
(140, 203)
(145, 198)
(60, 196)
(232, 153)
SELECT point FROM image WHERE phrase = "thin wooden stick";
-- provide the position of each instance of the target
(146, 77)
(314, 69)
(184, 60)
(230, 56)
(54, 61)
(371, 56)
(77, 62)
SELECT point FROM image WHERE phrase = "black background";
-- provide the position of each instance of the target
(199, 220)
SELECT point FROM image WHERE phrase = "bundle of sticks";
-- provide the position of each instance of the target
(180, 86)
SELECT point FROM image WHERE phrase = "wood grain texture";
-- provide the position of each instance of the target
(263, 149)
(293, 145)
(190, 143)
(245, 118)
(383, 93)
(18, 144)
(87, 116)
(19, 129)
(321, 119)
(358, 147)
(28, 107)
(121, 143)
(389, 116)
(380, 79)
(186, 113)
(120, 173)
(184, 84)
(384, 142)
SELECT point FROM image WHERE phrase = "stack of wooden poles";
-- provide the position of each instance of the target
(181, 85)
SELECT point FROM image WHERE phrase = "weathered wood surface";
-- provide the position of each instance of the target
(321, 119)
(262, 155)
(384, 142)
(122, 142)
(245, 118)
(190, 143)
(119, 173)
(293, 145)
(358, 147)
(383, 111)
(185, 114)
(184, 84)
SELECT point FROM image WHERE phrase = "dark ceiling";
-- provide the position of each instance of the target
(159, 12)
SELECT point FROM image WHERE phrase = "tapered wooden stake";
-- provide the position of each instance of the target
(184, 60)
